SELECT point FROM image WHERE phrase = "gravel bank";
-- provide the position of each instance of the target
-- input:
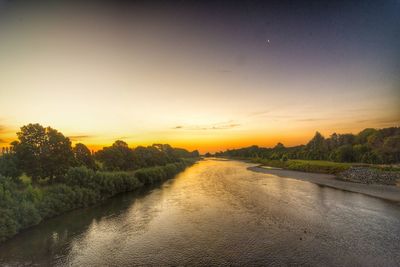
(369, 176)
(388, 192)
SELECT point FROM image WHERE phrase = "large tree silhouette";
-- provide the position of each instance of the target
(43, 152)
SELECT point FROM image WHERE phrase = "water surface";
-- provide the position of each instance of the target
(219, 213)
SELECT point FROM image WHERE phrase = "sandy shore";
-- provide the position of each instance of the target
(387, 192)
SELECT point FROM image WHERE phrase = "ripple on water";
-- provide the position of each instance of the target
(219, 213)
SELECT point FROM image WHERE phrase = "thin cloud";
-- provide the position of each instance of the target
(269, 115)
(216, 126)
(224, 71)
(228, 126)
(259, 113)
(79, 137)
(126, 137)
(6, 132)
(380, 121)
(311, 119)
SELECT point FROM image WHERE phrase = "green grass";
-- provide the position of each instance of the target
(322, 163)
(318, 166)
(321, 166)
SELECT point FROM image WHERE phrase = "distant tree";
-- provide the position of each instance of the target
(375, 140)
(317, 148)
(183, 153)
(195, 154)
(362, 137)
(370, 146)
(208, 154)
(42, 152)
(391, 149)
(333, 141)
(150, 156)
(391, 131)
(279, 146)
(372, 157)
(359, 151)
(83, 157)
(118, 157)
(167, 152)
(344, 153)
(346, 139)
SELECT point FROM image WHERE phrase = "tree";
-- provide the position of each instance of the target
(391, 148)
(372, 157)
(333, 141)
(344, 153)
(178, 153)
(375, 140)
(279, 146)
(195, 154)
(83, 157)
(42, 152)
(362, 136)
(359, 151)
(118, 157)
(317, 148)
(346, 139)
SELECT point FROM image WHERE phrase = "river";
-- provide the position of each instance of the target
(218, 213)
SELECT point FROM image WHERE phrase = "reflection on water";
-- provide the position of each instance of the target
(219, 213)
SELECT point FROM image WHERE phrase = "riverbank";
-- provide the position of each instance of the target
(386, 192)
(23, 206)
(218, 213)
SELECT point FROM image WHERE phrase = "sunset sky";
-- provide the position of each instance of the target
(199, 75)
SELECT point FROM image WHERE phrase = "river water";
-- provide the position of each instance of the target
(218, 213)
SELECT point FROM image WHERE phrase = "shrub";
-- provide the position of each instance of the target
(9, 167)
(23, 206)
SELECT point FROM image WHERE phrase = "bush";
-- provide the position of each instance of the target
(80, 176)
(23, 206)
(9, 166)
(17, 207)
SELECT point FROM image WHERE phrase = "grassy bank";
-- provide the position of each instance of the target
(22, 205)
(317, 166)
(321, 166)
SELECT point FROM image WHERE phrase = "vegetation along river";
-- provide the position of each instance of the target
(218, 213)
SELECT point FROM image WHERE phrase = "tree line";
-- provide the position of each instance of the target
(373, 146)
(44, 153)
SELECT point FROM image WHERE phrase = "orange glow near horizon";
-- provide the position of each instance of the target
(212, 143)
